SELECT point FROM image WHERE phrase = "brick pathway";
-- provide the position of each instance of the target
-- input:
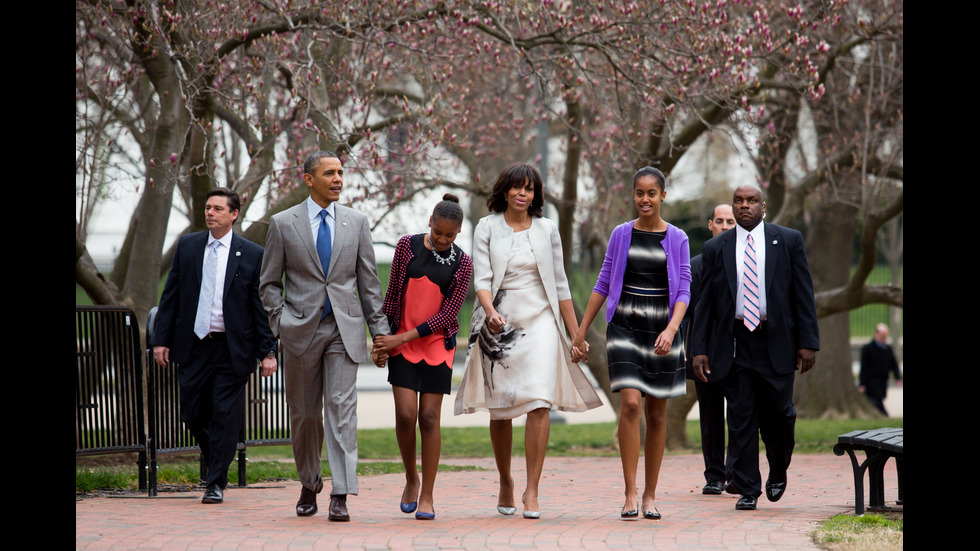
(579, 507)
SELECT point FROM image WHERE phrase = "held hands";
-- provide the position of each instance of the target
(379, 354)
(387, 343)
(580, 349)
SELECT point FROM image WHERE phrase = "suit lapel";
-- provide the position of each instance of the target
(341, 234)
(301, 225)
(200, 243)
(731, 270)
(234, 258)
(772, 255)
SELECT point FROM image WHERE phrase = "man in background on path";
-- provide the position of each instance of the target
(711, 396)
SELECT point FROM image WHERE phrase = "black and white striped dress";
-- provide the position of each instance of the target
(642, 312)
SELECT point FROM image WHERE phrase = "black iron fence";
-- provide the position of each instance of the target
(110, 412)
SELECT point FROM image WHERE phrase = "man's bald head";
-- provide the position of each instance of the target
(721, 219)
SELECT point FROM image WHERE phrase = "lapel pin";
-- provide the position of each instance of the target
(343, 223)
(238, 253)
(774, 241)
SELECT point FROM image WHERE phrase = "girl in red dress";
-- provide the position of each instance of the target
(429, 279)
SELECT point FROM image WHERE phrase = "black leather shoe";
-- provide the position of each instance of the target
(306, 506)
(713, 488)
(775, 490)
(213, 494)
(746, 503)
(338, 509)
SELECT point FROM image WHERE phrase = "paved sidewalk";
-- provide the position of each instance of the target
(579, 510)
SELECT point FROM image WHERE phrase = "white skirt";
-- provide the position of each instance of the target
(527, 364)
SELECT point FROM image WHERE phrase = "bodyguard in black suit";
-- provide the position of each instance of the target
(212, 324)
(711, 396)
(755, 324)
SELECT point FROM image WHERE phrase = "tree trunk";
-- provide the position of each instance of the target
(828, 390)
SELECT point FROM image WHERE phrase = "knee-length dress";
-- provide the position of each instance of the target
(526, 365)
(425, 292)
(641, 314)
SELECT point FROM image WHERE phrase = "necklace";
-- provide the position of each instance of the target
(442, 260)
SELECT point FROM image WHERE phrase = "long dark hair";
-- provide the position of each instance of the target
(516, 175)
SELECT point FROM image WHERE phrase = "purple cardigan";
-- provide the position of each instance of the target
(610, 282)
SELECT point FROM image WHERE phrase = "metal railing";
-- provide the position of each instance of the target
(266, 416)
(109, 414)
(112, 415)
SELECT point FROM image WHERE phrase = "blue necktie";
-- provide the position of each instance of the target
(323, 248)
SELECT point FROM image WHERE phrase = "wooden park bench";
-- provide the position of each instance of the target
(878, 446)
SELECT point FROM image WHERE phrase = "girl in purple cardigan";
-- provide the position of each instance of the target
(646, 278)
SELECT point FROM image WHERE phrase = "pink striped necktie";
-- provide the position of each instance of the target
(750, 287)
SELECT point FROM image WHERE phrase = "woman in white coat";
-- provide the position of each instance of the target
(519, 360)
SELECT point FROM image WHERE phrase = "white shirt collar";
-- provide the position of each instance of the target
(758, 233)
(225, 239)
(313, 209)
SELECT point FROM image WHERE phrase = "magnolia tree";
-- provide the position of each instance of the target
(185, 95)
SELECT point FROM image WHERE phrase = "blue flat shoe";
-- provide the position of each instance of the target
(409, 507)
(424, 516)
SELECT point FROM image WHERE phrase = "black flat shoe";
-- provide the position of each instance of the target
(652, 515)
(629, 514)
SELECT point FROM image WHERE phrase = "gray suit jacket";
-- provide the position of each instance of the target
(291, 264)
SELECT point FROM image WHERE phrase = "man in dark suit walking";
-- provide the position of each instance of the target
(212, 324)
(711, 396)
(755, 324)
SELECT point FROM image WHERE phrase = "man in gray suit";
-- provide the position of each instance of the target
(320, 253)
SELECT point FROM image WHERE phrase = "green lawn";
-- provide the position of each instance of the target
(379, 451)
